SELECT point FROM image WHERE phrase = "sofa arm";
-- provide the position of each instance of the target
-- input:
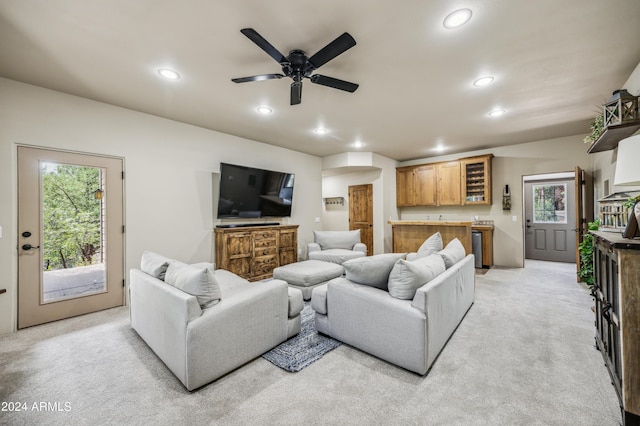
(238, 329)
(313, 247)
(160, 314)
(362, 247)
(445, 300)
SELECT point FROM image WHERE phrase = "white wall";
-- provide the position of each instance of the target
(380, 173)
(509, 165)
(169, 166)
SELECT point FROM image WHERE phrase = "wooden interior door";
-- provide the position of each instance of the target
(361, 213)
(584, 210)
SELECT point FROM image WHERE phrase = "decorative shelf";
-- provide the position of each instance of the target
(332, 201)
(612, 135)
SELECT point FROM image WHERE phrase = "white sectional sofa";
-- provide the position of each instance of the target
(203, 323)
(402, 311)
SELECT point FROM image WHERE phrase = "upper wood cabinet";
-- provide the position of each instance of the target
(476, 180)
(416, 186)
(405, 192)
(448, 188)
(465, 181)
(425, 185)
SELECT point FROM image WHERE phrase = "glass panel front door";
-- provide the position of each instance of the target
(71, 234)
(73, 231)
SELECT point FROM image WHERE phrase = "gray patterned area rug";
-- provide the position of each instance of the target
(305, 348)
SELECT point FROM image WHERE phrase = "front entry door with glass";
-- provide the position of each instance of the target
(550, 232)
(70, 242)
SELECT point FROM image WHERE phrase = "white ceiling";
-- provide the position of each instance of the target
(555, 63)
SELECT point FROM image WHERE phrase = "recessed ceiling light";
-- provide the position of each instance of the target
(320, 131)
(496, 113)
(358, 144)
(439, 148)
(169, 74)
(457, 18)
(264, 109)
(483, 81)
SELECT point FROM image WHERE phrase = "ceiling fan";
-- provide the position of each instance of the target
(298, 66)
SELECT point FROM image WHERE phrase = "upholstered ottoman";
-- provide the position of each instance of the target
(307, 274)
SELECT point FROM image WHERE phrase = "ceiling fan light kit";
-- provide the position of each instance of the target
(298, 66)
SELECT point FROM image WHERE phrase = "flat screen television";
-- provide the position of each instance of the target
(247, 192)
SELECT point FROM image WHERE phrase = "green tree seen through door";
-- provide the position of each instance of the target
(72, 216)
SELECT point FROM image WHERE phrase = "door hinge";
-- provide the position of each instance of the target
(123, 285)
(123, 229)
(122, 175)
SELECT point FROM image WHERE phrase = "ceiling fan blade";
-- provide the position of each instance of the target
(296, 92)
(257, 78)
(264, 44)
(334, 82)
(333, 49)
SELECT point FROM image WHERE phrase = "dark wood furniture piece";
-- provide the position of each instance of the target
(612, 135)
(254, 252)
(617, 307)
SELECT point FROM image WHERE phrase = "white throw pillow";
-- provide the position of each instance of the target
(154, 264)
(198, 280)
(452, 253)
(372, 270)
(432, 245)
(407, 276)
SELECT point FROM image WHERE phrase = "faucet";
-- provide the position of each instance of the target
(440, 218)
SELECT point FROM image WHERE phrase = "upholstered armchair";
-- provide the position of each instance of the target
(336, 246)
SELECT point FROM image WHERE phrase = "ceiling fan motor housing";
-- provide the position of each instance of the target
(297, 65)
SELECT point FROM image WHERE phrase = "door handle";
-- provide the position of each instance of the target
(29, 247)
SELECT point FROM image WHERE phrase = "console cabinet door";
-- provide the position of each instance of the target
(288, 246)
(234, 253)
(448, 188)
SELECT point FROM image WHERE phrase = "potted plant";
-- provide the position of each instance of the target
(597, 128)
(586, 255)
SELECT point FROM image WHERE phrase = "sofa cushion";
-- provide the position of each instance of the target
(407, 276)
(336, 239)
(372, 270)
(198, 280)
(308, 272)
(338, 256)
(452, 253)
(154, 264)
(432, 245)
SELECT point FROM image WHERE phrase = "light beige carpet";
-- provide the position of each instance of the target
(523, 355)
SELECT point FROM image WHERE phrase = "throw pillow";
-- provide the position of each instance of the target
(408, 276)
(452, 253)
(154, 264)
(432, 245)
(336, 239)
(372, 270)
(198, 280)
